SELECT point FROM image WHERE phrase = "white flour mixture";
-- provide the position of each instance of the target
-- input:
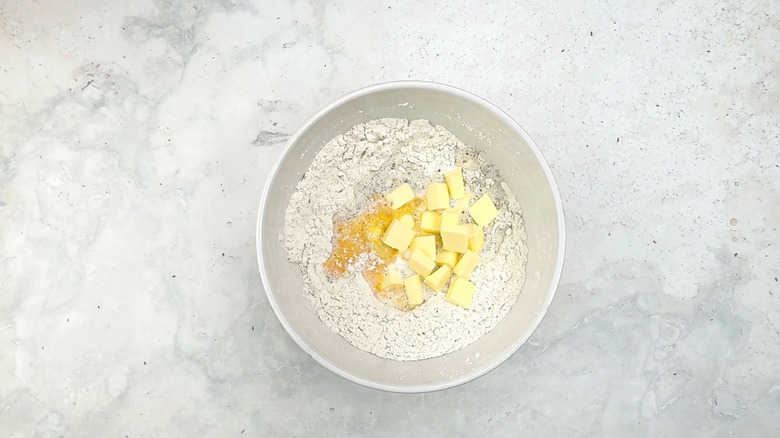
(373, 158)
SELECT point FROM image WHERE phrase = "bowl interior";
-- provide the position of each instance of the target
(475, 122)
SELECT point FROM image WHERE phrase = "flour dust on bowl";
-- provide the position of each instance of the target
(411, 237)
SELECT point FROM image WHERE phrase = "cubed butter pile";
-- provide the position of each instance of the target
(456, 257)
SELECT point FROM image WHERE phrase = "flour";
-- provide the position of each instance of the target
(374, 158)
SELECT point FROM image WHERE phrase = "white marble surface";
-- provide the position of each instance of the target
(136, 138)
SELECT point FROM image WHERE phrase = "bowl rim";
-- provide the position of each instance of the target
(471, 375)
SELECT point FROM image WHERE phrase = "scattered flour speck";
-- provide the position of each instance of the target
(374, 158)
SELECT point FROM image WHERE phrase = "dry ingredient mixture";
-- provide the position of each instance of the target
(341, 193)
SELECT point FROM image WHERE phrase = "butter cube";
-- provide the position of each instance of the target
(438, 279)
(430, 221)
(408, 220)
(426, 244)
(398, 235)
(447, 258)
(476, 238)
(464, 201)
(450, 217)
(455, 238)
(413, 288)
(400, 196)
(421, 263)
(391, 278)
(483, 211)
(437, 197)
(454, 180)
(467, 263)
(461, 292)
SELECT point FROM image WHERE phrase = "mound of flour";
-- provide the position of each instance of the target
(373, 158)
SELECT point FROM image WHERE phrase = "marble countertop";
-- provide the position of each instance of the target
(137, 136)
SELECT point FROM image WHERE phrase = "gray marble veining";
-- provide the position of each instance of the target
(137, 136)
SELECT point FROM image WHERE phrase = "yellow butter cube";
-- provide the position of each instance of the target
(454, 180)
(438, 279)
(467, 263)
(408, 220)
(450, 217)
(483, 211)
(437, 197)
(421, 263)
(413, 288)
(476, 238)
(391, 278)
(426, 244)
(398, 235)
(447, 258)
(464, 201)
(455, 238)
(400, 196)
(430, 221)
(461, 292)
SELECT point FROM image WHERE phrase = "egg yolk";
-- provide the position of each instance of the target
(362, 235)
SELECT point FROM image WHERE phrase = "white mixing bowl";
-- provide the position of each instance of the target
(477, 123)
